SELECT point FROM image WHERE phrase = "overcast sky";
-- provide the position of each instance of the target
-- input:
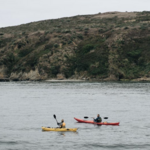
(16, 12)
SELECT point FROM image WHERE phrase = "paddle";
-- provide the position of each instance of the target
(55, 118)
(92, 117)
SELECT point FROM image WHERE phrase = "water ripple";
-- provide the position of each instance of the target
(26, 106)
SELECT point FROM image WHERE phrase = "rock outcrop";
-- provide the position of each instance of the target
(3, 72)
(33, 75)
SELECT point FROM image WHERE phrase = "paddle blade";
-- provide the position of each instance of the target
(86, 117)
(105, 117)
(54, 116)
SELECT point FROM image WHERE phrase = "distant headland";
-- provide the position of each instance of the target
(112, 46)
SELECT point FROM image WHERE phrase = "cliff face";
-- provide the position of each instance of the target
(108, 46)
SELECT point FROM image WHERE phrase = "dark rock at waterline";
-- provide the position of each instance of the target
(4, 80)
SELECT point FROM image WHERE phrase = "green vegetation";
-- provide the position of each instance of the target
(97, 46)
(91, 56)
(9, 61)
(24, 52)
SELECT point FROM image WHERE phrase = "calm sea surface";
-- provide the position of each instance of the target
(26, 106)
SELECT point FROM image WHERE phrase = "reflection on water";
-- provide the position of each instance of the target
(26, 106)
(64, 133)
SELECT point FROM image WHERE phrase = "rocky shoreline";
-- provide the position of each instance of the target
(142, 79)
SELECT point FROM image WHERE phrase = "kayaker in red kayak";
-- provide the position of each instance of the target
(98, 119)
(62, 124)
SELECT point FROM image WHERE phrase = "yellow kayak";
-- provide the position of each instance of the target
(59, 129)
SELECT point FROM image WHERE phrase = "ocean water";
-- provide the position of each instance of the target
(26, 106)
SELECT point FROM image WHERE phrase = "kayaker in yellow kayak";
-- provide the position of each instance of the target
(98, 119)
(62, 124)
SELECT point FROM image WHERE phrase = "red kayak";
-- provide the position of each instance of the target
(101, 123)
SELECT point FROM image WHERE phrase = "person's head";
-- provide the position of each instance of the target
(62, 120)
(98, 115)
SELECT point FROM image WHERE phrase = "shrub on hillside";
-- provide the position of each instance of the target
(56, 45)
(24, 52)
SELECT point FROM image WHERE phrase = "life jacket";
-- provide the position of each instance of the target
(99, 119)
(63, 125)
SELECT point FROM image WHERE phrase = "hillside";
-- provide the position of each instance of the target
(107, 46)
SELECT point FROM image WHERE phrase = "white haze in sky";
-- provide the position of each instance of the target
(15, 12)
